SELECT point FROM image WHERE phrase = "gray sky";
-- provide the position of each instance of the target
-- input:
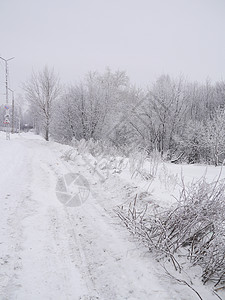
(143, 37)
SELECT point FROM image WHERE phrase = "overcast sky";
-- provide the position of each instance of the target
(143, 37)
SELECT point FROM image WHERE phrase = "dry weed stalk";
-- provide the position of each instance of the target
(195, 227)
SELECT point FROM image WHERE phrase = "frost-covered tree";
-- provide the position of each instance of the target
(42, 89)
(88, 110)
(162, 113)
(215, 136)
(179, 119)
(191, 145)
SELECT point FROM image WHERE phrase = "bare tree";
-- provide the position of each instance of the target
(42, 89)
(90, 109)
(163, 114)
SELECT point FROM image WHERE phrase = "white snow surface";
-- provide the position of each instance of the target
(50, 251)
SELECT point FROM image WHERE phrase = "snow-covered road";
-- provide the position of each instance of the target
(50, 251)
(36, 251)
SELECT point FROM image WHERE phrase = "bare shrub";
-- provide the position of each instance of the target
(168, 179)
(136, 161)
(193, 227)
(81, 145)
(144, 164)
(95, 148)
(67, 155)
(154, 159)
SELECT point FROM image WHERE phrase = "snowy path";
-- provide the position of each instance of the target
(38, 262)
(49, 251)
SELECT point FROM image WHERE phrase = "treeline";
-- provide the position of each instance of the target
(183, 121)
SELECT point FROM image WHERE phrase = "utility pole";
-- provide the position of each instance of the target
(13, 110)
(7, 120)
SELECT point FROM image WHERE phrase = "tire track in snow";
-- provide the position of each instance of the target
(97, 255)
(74, 235)
(39, 270)
(16, 211)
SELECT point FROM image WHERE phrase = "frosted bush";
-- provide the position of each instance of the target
(194, 226)
(136, 162)
(168, 179)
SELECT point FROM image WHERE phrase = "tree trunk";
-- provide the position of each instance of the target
(47, 133)
(47, 130)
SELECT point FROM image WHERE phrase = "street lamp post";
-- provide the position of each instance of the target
(13, 110)
(7, 121)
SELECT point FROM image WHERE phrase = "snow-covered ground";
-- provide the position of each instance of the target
(52, 251)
